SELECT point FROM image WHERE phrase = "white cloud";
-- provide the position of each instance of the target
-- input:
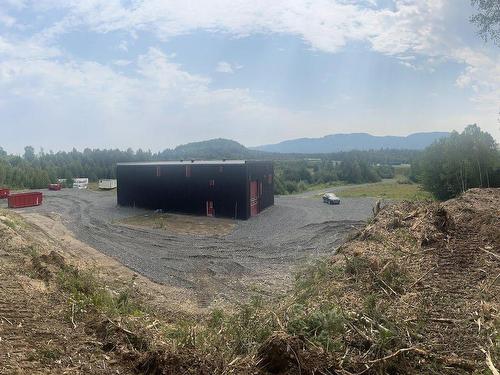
(16, 4)
(6, 20)
(412, 31)
(122, 62)
(153, 106)
(326, 25)
(123, 46)
(482, 75)
(225, 67)
(26, 49)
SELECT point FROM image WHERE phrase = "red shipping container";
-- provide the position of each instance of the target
(4, 193)
(25, 200)
(55, 186)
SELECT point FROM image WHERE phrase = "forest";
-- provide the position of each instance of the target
(294, 172)
(459, 162)
(443, 168)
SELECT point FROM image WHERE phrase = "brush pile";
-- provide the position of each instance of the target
(416, 291)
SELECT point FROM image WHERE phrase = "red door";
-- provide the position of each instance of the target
(254, 198)
(210, 208)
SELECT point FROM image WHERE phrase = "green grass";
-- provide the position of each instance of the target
(87, 291)
(313, 187)
(387, 190)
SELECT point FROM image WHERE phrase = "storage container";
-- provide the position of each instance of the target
(107, 184)
(25, 200)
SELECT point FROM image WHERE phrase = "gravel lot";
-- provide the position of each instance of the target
(259, 255)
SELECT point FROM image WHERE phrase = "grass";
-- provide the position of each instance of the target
(387, 190)
(12, 221)
(328, 185)
(87, 291)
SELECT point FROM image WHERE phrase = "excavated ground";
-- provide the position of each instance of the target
(418, 290)
(218, 262)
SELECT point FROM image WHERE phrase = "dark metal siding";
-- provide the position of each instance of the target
(140, 186)
(260, 172)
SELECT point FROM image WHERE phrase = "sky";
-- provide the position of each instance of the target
(154, 74)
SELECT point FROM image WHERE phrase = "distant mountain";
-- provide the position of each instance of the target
(353, 141)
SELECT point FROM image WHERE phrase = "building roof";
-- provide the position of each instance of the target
(190, 162)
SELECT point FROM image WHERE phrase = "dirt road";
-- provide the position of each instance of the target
(257, 256)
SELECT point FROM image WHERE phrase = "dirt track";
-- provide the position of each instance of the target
(258, 255)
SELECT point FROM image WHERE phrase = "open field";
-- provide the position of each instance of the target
(388, 189)
(213, 260)
(385, 189)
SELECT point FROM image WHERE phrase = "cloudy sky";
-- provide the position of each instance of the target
(157, 73)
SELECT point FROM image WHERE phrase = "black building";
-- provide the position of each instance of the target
(226, 188)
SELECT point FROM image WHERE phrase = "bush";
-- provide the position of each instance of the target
(385, 171)
(403, 180)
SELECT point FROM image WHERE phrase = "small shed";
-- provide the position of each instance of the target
(226, 188)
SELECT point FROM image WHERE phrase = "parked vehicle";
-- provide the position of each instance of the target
(331, 198)
(55, 186)
(4, 193)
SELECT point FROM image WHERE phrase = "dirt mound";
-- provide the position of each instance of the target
(46, 266)
(426, 274)
(38, 334)
(285, 354)
(189, 362)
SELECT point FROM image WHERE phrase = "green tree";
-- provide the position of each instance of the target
(487, 19)
(454, 164)
(29, 153)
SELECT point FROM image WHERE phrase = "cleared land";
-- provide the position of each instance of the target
(417, 291)
(386, 190)
(183, 224)
(216, 260)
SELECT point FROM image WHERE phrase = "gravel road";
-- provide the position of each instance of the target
(259, 254)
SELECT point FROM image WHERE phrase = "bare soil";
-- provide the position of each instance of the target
(216, 261)
(183, 224)
(36, 336)
(419, 291)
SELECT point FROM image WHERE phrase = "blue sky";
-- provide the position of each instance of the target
(153, 74)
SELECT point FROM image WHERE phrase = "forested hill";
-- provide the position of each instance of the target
(213, 149)
(353, 141)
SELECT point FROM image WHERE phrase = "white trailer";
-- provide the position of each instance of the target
(107, 184)
(80, 183)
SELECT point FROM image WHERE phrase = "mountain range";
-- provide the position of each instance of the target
(352, 141)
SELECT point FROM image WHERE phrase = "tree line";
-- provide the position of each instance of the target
(459, 162)
(446, 168)
(299, 175)
(294, 172)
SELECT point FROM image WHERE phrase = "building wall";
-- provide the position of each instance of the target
(171, 188)
(260, 172)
